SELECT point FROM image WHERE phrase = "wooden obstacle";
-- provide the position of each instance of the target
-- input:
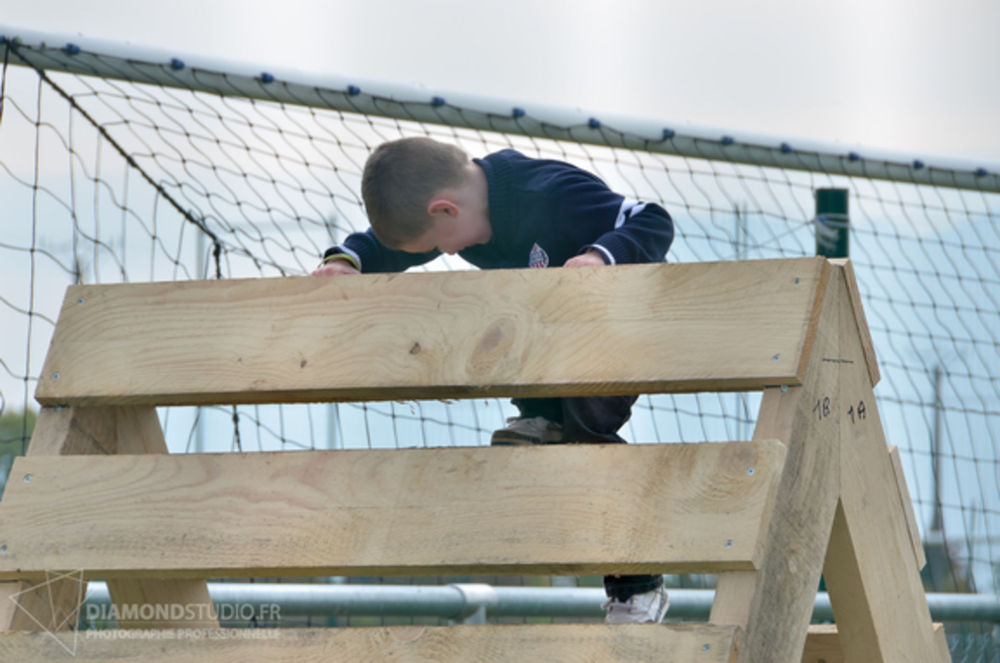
(815, 491)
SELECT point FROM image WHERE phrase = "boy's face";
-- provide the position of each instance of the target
(451, 234)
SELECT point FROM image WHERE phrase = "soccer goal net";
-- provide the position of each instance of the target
(120, 164)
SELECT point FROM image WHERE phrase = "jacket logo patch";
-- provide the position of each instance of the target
(538, 257)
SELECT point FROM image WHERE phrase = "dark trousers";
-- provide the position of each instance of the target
(594, 420)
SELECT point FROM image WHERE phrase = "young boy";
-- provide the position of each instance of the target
(507, 210)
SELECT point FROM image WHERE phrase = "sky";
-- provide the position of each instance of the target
(917, 76)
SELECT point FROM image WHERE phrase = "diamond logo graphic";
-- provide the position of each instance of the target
(538, 257)
(45, 602)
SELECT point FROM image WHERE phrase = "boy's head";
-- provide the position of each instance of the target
(400, 179)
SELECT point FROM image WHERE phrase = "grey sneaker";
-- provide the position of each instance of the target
(527, 430)
(646, 608)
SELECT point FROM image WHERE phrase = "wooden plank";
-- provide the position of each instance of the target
(138, 431)
(775, 605)
(844, 573)
(73, 431)
(860, 320)
(734, 595)
(871, 572)
(591, 331)
(823, 645)
(562, 509)
(53, 603)
(941, 642)
(555, 643)
(906, 505)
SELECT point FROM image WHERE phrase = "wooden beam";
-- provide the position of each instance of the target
(823, 644)
(774, 603)
(564, 509)
(659, 328)
(52, 602)
(870, 565)
(555, 643)
(73, 431)
(860, 320)
(871, 570)
(906, 506)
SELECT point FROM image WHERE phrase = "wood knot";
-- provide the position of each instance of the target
(494, 348)
(415, 349)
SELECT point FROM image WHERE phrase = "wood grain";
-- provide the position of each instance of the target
(795, 328)
(774, 603)
(860, 319)
(823, 645)
(584, 331)
(54, 604)
(906, 506)
(871, 570)
(552, 643)
(563, 509)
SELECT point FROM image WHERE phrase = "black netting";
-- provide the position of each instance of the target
(107, 179)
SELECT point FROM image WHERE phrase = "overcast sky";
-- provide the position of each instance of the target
(918, 76)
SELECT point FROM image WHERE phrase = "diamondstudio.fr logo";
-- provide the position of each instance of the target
(54, 606)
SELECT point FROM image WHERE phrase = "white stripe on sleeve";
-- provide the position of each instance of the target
(628, 209)
(343, 249)
(610, 259)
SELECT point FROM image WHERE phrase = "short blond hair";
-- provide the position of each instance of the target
(399, 179)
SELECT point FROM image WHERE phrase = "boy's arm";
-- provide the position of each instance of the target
(643, 233)
(364, 253)
(618, 229)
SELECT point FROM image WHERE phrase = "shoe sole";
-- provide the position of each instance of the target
(511, 440)
(515, 440)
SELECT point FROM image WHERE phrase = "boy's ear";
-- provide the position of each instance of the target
(442, 206)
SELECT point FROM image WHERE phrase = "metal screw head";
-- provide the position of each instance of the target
(706, 648)
(750, 471)
(776, 358)
(729, 543)
(3, 548)
(81, 300)
(27, 478)
(55, 376)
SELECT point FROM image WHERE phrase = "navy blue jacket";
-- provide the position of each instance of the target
(543, 213)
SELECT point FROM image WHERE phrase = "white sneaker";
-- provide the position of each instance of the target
(527, 430)
(646, 608)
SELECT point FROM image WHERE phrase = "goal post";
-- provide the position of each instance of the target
(110, 60)
(120, 164)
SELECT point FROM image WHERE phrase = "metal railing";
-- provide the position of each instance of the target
(472, 603)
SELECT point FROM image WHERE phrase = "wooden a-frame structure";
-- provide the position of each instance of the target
(815, 491)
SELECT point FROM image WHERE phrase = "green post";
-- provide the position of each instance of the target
(832, 223)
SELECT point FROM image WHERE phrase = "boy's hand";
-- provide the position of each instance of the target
(589, 259)
(335, 267)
